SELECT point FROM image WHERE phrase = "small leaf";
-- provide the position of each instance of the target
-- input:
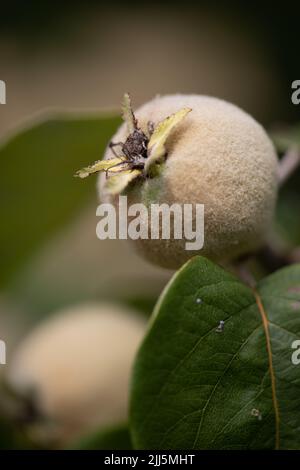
(215, 370)
(12, 436)
(156, 146)
(38, 195)
(128, 114)
(112, 165)
(286, 138)
(116, 184)
(117, 438)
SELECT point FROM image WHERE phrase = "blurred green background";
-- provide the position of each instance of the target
(66, 67)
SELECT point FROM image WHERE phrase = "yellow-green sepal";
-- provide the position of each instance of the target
(156, 146)
(117, 183)
(112, 165)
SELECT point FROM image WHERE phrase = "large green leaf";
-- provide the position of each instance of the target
(195, 386)
(12, 438)
(38, 193)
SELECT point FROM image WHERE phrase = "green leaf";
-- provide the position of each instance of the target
(117, 438)
(287, 138)
(7, 438)
(202, 384)
(11, 437)
(38, 194)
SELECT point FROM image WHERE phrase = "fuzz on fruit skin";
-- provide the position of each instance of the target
(76, 367)
(218, 156)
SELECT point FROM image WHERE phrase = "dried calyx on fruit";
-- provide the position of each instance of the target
(217, 156)
(141, 152)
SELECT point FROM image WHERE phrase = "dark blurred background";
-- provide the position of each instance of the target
(85, 54)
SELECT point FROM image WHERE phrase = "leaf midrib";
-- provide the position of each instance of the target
(191, 351)
(265, 322)
(219, 381)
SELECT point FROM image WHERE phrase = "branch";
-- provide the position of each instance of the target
(288, 164)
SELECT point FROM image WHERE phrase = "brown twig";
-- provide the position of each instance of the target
(288, 164)
(245, 275)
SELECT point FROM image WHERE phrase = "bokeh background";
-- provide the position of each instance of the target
(66, 67)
